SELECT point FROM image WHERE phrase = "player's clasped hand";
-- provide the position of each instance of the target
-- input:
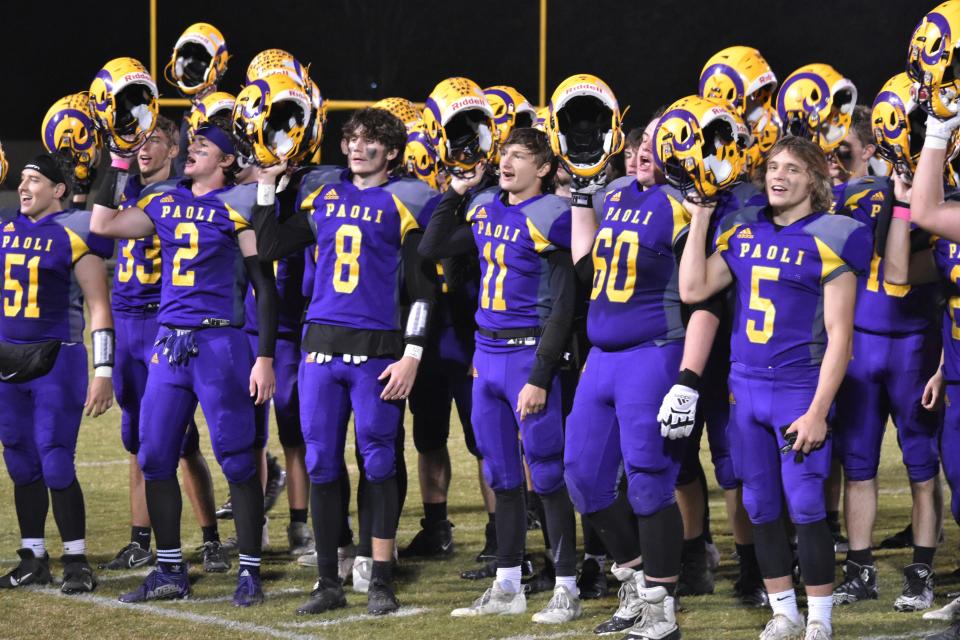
(462, 184)
(99, 397)
(678, 412)
(263, 381)
(531, 399)
(810, 433)
(401, 374)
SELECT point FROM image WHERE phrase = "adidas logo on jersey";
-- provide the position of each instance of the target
(731, 399)
(154, 359)
(616, 197)
(166, 199)
(746, 233)
(331, 195)
(877, 197)
(9, 227)
(480, 214)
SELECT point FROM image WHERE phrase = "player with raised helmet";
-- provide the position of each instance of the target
(207, 251)
(521, 233)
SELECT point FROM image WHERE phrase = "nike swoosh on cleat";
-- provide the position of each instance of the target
(18, 581)
(446, 547)
(4, 376)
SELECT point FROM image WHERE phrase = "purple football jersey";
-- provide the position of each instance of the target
(136, 278)
(42, 299)
(635, 298)
(883, 307)
(779, 274)
(947, 256)
(359, 232)
(512, 242)
(204, 280)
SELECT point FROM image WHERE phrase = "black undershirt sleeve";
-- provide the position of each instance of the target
(420, 277)
(265, 290)
(556, 330)
(447, 236)
(276, 239)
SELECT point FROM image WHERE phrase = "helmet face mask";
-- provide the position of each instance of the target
(270, 120)
(932, 60)
(123, 101)
(469, 139)
(585, 127)
(192, 65)
(198, 61)
(70, 133)
(458, 121)
(816, 102)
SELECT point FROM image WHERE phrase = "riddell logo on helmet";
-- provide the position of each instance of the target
(469, 101)
(584, 86)
(139, 76)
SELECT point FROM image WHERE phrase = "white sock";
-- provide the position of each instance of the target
(785, 603)
(36, 545)
(600, 560)
(820, 608)
(570, 582)
(509, 579)
(75, 547)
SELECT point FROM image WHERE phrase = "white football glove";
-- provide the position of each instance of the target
(939, 131)
(678, 412)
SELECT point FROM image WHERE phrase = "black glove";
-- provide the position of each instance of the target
(583, 189)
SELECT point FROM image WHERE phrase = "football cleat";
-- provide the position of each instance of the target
(859, 583)
(225, 512)
(300, 538)
(249, 591)
(659, 621)
(696, 579)
(631, 607)
(215, 559)
(563, 607)
(751, 593)
(130, 557)
(308, 559)
(276, 481)
(362, 570)
(489, 570)
(953, 633)
(780, 627)
(163, 583)
(381, 599)
(592, 581)
(917, 588)
(77, 575)
(902, 539)
(31, 570)
(489, 551)
(541, 581)
(816, 630)
(947, 613)
(435, 539)
(326, 595)
(494, 601)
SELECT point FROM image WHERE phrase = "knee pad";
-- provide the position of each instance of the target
(691, 467)
(586, 494)
(760, 509)
(806, 506)
(261, 425)
(59, 471)
(238, 467)
(547, 475)
(154, 466)
(288, 427)
(723, 471)
(130, 433)
(430, 430)
(380, 464)
(650, 493)
(22, 467)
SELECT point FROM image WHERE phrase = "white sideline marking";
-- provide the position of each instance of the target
(229, 598)
(233, 625)
(403, 612)
(101, 463)
(549, 636)
(112, 577)
(902, 636)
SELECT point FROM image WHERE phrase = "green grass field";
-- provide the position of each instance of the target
(428, 590)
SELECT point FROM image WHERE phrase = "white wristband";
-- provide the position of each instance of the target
(103, 372)
(266, 194)
(935, 142)
(413, 351)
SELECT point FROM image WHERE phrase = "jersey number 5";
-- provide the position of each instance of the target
(12, 304)
(764, 305)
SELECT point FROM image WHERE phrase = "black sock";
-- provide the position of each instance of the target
(69, 511)
(211, 533)
(492, 517)
(32, 503)
(434, 512)
(749, 568)
(384, 508)
(863, 557)
(364, 513)
(401, 466)
(705, 491)
(247, 498)
(560, 521)
(299, 515)
(382, 572)
(816, 553)
(671, 587)
(511, 527)
(923, 555)
(592, 543)
(141, 535)
(661, 541)
(695, 546)
(346, 533)
(164, 505)
(616, 527)
(325, 507)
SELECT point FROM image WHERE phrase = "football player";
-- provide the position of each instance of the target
(896, 350)
(793, 267)
(521, 234)
(201, 353)
(365, 225)
(135, 301)
(52, 263)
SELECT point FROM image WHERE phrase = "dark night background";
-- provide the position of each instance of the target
(650, 52)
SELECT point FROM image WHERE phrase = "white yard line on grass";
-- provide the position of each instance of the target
(901, 636)
(403, 612)
(549, 636)
(227, 598)
(102, 463)
(186, 616)
(125, 575)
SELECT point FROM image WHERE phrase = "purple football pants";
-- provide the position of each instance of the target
(219, 378)
(286, 399)
(614, 425)
(40, 420)
(763, 401)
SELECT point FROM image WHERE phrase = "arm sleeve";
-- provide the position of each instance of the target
(713, 304)
(419, 274)
(265, 288)
(276, 239)
(556, 331)
(584, 269)
(446, 236)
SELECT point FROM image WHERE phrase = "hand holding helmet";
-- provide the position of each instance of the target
(270, 119)
(459, 124)
(70, 134)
